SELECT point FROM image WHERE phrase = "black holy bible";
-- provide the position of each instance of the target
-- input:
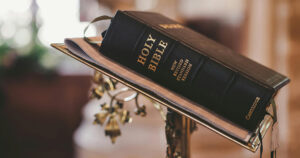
(178, 58)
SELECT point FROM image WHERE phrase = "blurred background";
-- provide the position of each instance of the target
(44, 106)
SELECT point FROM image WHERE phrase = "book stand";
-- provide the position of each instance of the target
(180, 120)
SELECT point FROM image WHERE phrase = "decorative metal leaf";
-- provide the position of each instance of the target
(141, 111)
(100, 118)
(125, 117)
(98, 78)
(97, 92)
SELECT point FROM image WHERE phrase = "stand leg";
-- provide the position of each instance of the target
(178, 130)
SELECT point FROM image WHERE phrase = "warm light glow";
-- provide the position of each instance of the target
(23, 37)
(13, 7)
(8, 30)
(60, 20)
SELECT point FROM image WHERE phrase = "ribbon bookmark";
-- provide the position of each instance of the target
(100, 18)
(275, 131)
(261, 144)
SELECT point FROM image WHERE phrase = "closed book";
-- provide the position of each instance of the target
(186, 62)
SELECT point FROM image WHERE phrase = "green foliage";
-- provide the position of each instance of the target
(19, 61)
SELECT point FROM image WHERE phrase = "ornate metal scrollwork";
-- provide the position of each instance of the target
(113, 113)
(177, 129)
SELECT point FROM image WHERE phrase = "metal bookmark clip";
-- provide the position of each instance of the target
(100, 18)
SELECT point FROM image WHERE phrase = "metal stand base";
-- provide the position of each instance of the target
(178, 131)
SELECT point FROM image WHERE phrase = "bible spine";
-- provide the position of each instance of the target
(192, 74)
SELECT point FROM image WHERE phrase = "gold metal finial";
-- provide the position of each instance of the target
(112, 129)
